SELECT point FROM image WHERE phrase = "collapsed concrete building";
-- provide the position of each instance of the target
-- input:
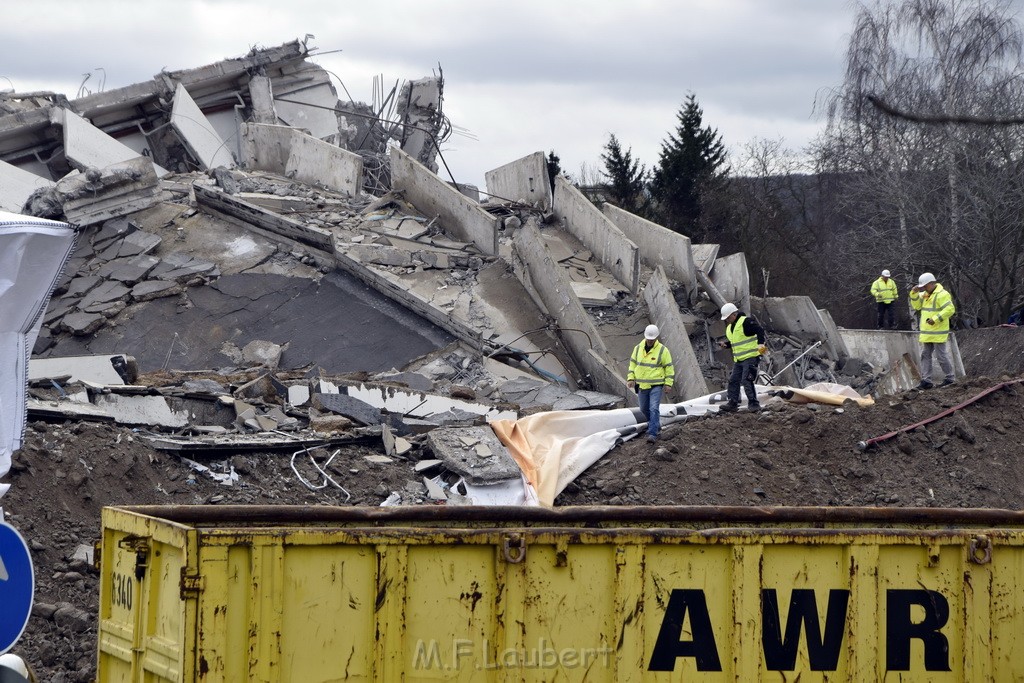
(240, 214)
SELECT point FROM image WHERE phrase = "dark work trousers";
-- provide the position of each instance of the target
(886, 310)
(744, 373)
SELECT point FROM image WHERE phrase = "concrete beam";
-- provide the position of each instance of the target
(609, 244)
(261, 92)
(460, 216)
(799, 317)
(196, 133)
(549, 282)
(16, 185)
(86, 146)
(732, 280)
(523, 180)
(659, 246)
(249, 216)
(119, 189)
(664, 312)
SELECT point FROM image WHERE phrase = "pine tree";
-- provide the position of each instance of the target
(692, 163)
(627, 178)
(554, 167)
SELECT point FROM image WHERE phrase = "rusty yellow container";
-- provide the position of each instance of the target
(307, 595)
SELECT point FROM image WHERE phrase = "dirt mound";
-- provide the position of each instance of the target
(992, 351)
(808, 455)
(787, 455)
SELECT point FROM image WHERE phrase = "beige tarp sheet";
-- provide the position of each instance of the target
(553, 448)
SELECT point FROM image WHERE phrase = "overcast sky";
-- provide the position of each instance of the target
(520, 76)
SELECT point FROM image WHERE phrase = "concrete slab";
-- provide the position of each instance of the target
(314, 318)
(197, 134)
(114, 191)
(86, 146)
(312, 87)
(421, 405)
(95, 369)
(141, 410)
(348, 406)
(581, 218)
(16, 185)
(457, 449)
(524, 180)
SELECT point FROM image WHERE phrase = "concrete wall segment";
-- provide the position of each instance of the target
(431, 196)
(197, 134)
(609, 244)
(524, 180)
(551, 285)
(732, 280)
(664, 313)
(658, 246)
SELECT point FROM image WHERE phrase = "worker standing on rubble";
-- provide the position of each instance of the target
(747, 341)
(936, 307)
(650, 369)
(885, 293)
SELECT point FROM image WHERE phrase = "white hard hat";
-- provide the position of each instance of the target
(16, 664)
(885, 273)
(728, 310)
(651, 332)
(925, 279)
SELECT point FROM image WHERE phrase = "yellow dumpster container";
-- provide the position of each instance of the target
(317, 594)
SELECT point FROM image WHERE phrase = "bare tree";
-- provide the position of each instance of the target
(942, 197)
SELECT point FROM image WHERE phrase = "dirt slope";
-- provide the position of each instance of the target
(788, 455)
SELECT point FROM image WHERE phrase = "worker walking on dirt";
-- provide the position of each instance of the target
(747, 341)
(650, 369)
(885, 293)
(936, 307)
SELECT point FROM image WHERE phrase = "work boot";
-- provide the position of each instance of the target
(947, 382)
(753, 407)
(729, 407)
(651, 438)
(925, 384)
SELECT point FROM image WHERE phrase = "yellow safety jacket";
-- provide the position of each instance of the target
(884, 292)
(939, 307)
(743, 347)
(651, 368)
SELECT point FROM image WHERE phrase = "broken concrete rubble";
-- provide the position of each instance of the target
(474, 453)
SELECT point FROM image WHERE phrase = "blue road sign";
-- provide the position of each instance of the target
(17, 586)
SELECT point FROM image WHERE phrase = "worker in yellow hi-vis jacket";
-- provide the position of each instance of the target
(936, 307)
(885, 293)
(650, 369)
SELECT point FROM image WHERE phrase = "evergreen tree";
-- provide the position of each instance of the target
(627, 178)
(554, 168)
(691, 165)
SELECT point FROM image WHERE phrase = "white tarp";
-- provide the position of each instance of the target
(33, 253)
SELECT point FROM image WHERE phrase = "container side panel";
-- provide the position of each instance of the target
(451, 606)
(921, 615)
(1006, 612)
(119, 608)
(164, 613)
(327, 605)
(688, 613)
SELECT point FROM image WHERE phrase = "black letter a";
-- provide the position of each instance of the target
(668, 646)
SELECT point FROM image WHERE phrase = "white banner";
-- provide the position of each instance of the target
(33, 253)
